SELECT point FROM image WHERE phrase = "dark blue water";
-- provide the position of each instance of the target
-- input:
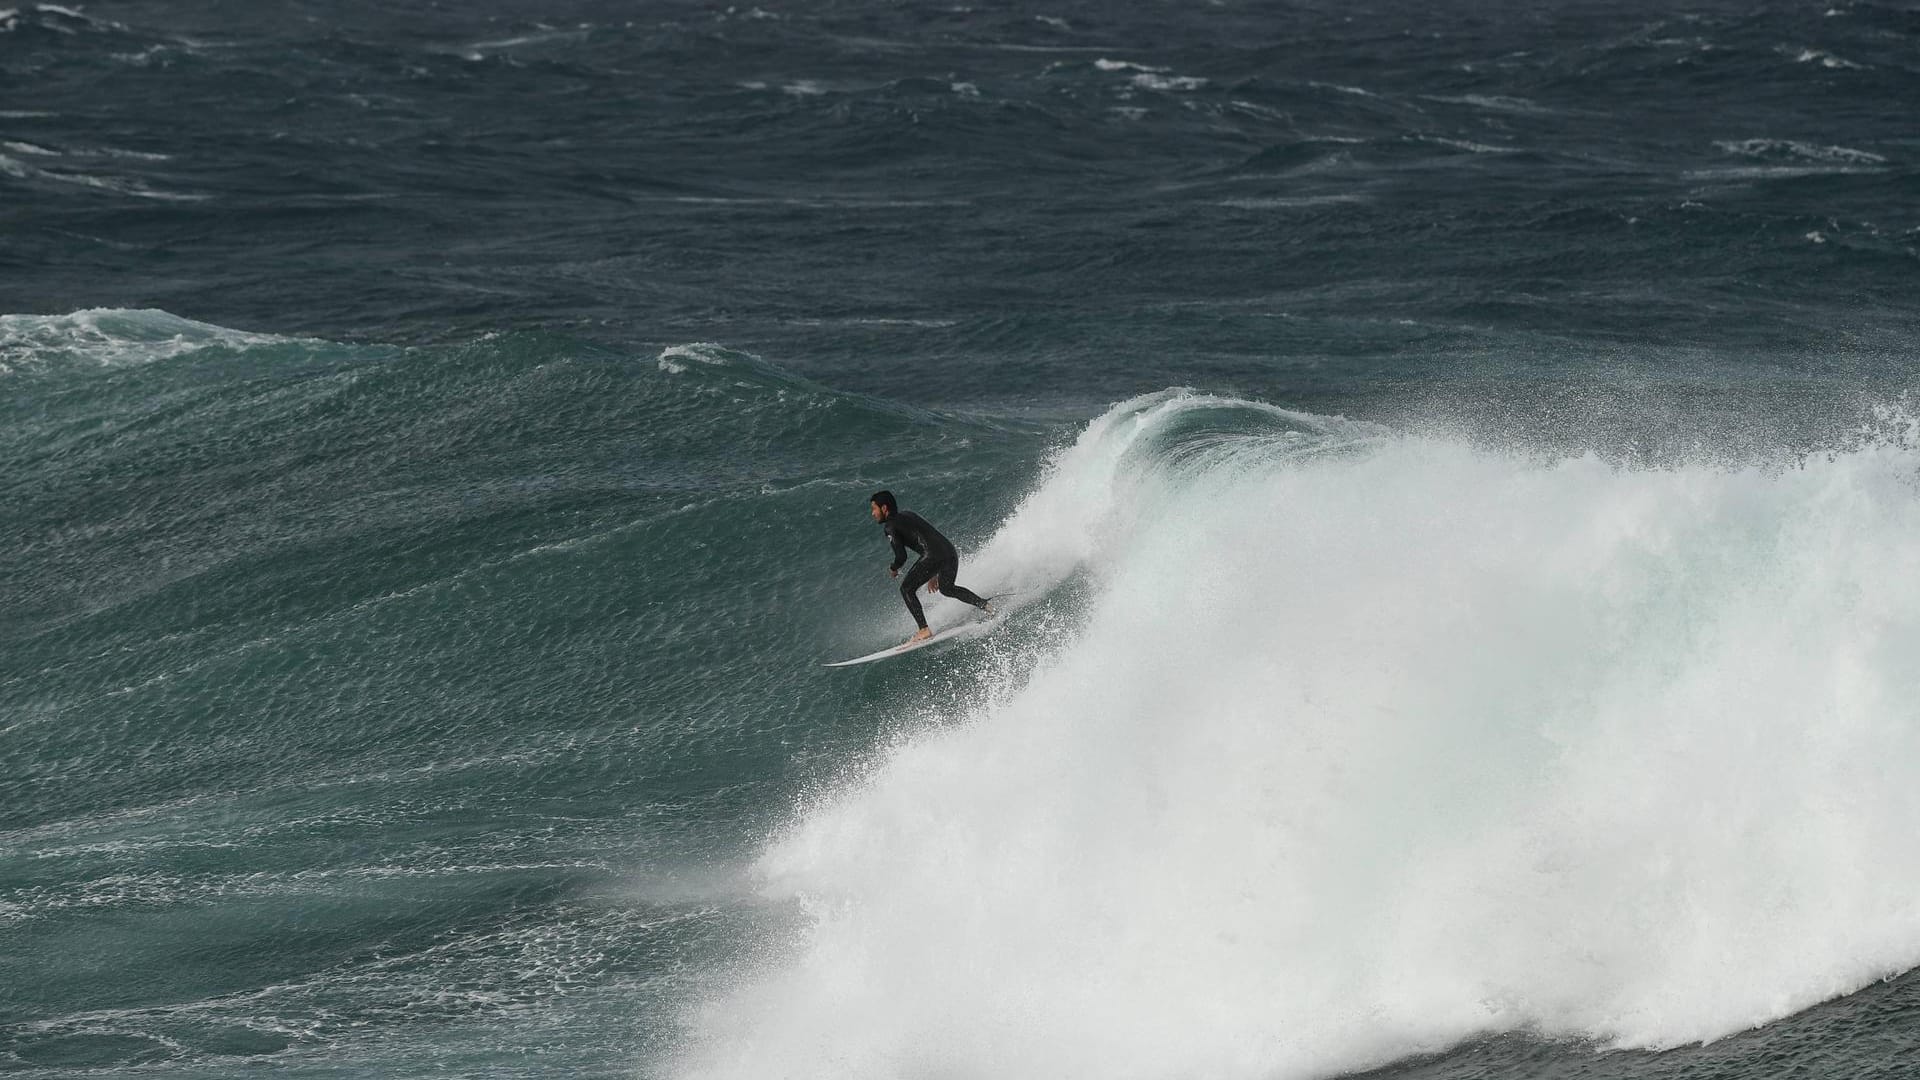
(1454, 464)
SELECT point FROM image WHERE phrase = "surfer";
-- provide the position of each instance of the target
(935, 567)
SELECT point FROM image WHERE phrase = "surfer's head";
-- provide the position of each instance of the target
(882, 505)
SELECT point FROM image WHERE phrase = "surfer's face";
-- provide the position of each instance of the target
(879, 512)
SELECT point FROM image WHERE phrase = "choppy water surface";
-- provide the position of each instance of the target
(1455, 465)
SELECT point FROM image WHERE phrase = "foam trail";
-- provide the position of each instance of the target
(1368, 745)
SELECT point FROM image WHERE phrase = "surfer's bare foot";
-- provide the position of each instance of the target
(921, 634)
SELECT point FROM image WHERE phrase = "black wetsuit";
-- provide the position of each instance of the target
(906, 529)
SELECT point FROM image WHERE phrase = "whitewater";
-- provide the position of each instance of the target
(1337, 744)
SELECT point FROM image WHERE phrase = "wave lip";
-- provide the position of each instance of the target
(1367, 745)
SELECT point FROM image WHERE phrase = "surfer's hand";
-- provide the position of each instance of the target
(934, 585)
(893, 571)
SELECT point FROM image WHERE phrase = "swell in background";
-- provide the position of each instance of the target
(1296, 201)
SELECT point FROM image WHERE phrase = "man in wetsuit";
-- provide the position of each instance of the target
(934, 568)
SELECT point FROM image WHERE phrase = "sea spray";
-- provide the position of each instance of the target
(1367, 745)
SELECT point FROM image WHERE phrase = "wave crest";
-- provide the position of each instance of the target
(1369, 744)
(110, 337)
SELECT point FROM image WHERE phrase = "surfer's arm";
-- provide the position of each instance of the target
(899, 554)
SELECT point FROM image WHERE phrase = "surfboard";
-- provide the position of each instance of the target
(958, 633)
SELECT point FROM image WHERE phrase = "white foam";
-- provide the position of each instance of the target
(67, 13)
(1495, 103)
(478, 50)
(877, 320)
(1463, 144)
(1842, 155)
(1290, 202)
(1127, 65)
(1356, 91)
(1770, 172)
(1150, 81)
(110, 337)
(674, 358)
(1146, 77)
(1368, 744)
(1823, 58)
(120, 185)
(135, 155)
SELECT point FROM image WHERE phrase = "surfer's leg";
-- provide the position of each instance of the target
(917, 576)
(958, 592)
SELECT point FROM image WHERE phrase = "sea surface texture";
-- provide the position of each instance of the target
(1451, 470)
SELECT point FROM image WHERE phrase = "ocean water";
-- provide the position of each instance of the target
(1454, 469)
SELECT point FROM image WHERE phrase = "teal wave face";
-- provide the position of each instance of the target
(359, 694)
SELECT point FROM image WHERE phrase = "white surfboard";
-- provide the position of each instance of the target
(958, 633)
